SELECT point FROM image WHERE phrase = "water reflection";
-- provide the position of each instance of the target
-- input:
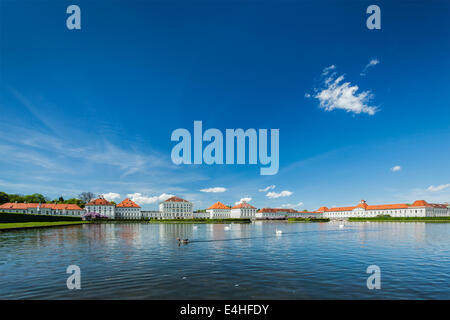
(308, 260)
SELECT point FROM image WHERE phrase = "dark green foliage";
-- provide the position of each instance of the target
(4, 198)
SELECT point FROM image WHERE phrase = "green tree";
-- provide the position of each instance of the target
(34, 198)
(16, 198)
(4, 197)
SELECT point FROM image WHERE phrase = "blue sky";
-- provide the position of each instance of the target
(94, 109)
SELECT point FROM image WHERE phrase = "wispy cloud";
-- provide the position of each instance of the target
(432, 194)
(396, 168)
(288, 205)
(245, 199)
(271, 187)
(373, 62)
(336, 94)
(275, 195)
(438, 188)
(214, 190)
(327, 70)
(141, 199)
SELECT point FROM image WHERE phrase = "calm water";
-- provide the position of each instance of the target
(308, 261)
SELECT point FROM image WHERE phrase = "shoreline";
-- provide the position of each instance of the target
(36, 225)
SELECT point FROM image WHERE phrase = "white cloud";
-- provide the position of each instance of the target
(373, 62)
(275, 195)
(396, 168)
(438, 188)
(214, 190)
(141, 199)
(246, 199)
(267, 188)
(343, 95)
(327, 70)
(111, 196)
(288, 205)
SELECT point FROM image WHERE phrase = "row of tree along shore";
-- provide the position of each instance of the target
(81, 201)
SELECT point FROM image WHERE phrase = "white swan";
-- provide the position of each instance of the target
(341, 226)
(278, 231)
(227, 228)
(195, 227)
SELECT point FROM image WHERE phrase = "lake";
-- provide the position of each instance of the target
(249, 261)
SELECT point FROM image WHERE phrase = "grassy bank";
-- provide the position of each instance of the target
(402, 219)
(308, 220)
(29, 225)
(8, 217)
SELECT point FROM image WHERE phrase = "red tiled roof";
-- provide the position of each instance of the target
(420, 203)
(127, 203)
(99, 202)
(21, 206)
(218, 205)
(362, 204)
(423, 203)
(175, 199)
(243, 205)
(54, 206)
(388, 206)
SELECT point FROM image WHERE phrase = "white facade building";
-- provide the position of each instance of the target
(305, 214)
(283, 213)
(419, 208)
(128, 209)
(44, 208)
(243, 210)
(274, 213)
(176, 208)
(201, 215)
(101, 206)
(151, 214)
(218, 211)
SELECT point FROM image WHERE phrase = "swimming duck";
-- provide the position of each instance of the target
(182, 240)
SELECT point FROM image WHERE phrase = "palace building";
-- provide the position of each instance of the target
(44, 208)
(128, 209)
(280, 213)
(101, 206)
(419, 208)
(243, 210)
(176, 208)
(218, 211)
